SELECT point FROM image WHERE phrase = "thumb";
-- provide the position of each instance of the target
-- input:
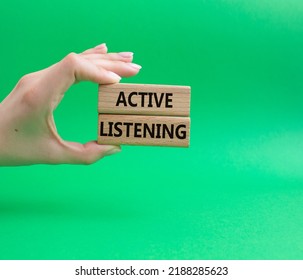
(88, 153)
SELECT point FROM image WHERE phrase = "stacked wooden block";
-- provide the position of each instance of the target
(141, 114)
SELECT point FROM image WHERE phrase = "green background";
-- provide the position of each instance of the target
(236, 193)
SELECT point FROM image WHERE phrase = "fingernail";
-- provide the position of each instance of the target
(113, 151)
(101, 46)
(134, 65)
(126, 54)
(114, 75)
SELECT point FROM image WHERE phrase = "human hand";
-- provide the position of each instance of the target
(28, 133)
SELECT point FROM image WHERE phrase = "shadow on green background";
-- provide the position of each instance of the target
(236, 193)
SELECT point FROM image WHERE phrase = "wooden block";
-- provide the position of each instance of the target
(143, 130)
(144, 99)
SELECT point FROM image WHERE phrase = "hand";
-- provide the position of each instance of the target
(28, 133)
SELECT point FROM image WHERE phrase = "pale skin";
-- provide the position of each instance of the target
(28, 133)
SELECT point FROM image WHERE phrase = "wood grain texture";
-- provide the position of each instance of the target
(149, 99)
(143, 130)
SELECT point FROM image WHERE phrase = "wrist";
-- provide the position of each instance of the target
(4, 137)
